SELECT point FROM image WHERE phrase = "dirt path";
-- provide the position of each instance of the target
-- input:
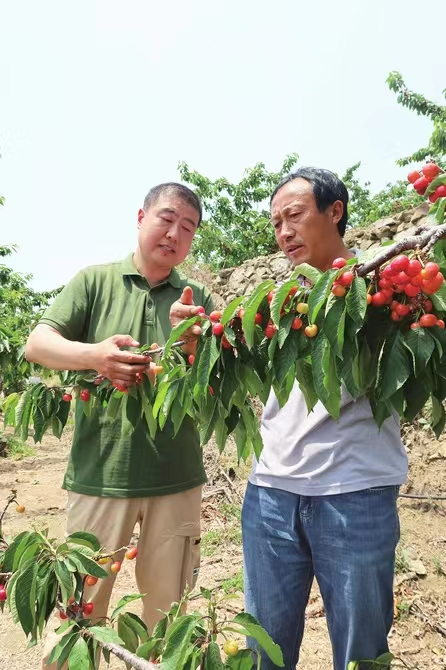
(423, 548)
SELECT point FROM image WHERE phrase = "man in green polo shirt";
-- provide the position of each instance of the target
(116, 482)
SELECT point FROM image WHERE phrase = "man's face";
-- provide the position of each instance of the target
(303, 233)
(166, 231)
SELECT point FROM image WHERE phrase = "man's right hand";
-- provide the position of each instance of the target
(121, 367)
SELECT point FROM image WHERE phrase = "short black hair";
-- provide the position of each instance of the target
(327, 188)
(171, 188)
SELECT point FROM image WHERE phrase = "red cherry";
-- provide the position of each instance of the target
(211, 390)
(402, 310)
(62, 615)
(414, 325)
(385, 283)
(411, 290)
(413, 176)
(428, 320)
(421, 185)
(433, 285)
(201, 311)
(131, 553)
(338, 290)
(401, 279)
(215, 316)
(270, 296)
(296, 323)
(191, 359)
(218, 329)
(440, 191)
(346, 278)
(270, 330)
(115, 567)
(399, 264)
(225, 343)
(429, 271)
(388, 272)
(293, 291)
(87, 609)
(440, 324)
(85, 395)
(433, 197)
(91, 581)
(417, 280)
(395, 317)
(378, 299)
(339, 263)
(413, 268)
(369, 299)
(258, 319)
(430, 171)
(427, 305)
(67, 397)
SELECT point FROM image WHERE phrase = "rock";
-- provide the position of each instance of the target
(224, 274)
(417, 567)
(237, 279)
(280, 265)
(404, 216)
(249, 270)
(419, 212)
(408, 232)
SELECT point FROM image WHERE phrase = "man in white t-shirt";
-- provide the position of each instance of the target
(321, 499)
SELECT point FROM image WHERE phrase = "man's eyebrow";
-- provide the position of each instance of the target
(169, 210)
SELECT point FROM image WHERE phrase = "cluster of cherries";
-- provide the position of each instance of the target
(421, 180)
(88, 607)
(403, 285)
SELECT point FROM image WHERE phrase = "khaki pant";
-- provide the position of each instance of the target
(168, 548)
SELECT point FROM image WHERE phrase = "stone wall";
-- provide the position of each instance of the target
(232, 282)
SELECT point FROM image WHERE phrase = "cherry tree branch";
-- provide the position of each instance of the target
(424, 242)
(131, 659)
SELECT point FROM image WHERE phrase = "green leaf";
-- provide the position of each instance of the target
(23, 414)
(79, 658)
(208, 358)
(334, 326)
(421, 346)
(319, 293)
(438, 419)
(435, 183)
(284, 328)
(84, 539)
(285, 358)
(127, 634)
(25, 597)
(212, 660)
(307, 271)
(63, 647)
(138, 626)
(87, 566)
(439, 215)
(65, 579)
(230, 382)
(123, 602)
(113, 406)
(251, 308)
(177, 332)
(356, 300)
(231, 310)
(146, 649)
(209, 419)
(242, 661)
(280, 295)
(251, 627)
(105, 635)
(394, 366)
(439, 299)
(178, 639)
(304, 375)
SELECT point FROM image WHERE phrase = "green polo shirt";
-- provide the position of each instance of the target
(106, 300)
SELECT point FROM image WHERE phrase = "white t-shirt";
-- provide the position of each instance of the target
(312, 454)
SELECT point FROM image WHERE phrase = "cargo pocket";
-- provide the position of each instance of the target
(191, 558)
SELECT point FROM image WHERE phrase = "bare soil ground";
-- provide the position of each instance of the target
(418, 637)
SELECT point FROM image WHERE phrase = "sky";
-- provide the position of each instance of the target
(100, 100)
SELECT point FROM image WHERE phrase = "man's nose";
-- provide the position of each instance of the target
(286, 231)
(172, 233)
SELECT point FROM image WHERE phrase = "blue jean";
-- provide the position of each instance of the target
(347, 542)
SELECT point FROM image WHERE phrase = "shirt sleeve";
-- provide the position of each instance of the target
(68, 313)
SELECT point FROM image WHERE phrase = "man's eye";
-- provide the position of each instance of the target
(188, 229)
(164, 218)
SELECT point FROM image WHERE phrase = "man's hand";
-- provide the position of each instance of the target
(121, 367)
(181, 310)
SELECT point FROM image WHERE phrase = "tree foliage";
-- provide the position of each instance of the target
(435, 149)
(237, 221)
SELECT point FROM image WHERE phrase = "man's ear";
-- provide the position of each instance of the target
(338, 211)
(141, 215)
